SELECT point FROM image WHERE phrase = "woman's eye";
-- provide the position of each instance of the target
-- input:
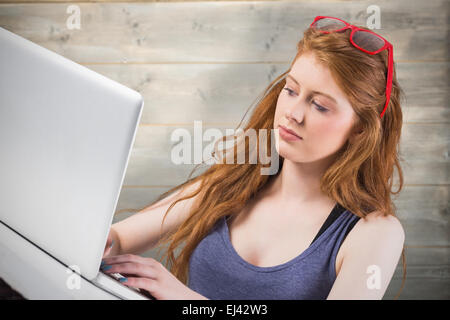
(319, 107)
(289, 91)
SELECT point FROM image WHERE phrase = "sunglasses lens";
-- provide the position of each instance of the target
(367, 41)
(328, 24)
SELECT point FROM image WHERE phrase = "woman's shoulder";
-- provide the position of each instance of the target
(376, 226)
(378, 219)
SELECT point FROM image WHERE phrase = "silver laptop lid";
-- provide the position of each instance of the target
(66, 134)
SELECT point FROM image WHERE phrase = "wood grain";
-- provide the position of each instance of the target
(243, 32)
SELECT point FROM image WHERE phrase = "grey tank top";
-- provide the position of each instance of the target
(218, 272)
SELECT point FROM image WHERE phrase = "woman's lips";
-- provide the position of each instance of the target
(288, 135)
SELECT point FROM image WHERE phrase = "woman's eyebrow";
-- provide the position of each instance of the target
(315, 92)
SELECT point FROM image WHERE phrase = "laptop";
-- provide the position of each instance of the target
(66, 134)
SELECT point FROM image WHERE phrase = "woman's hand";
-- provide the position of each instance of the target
(109, 245)
(112, 246)
(149, 275)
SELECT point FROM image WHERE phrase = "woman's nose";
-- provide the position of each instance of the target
(295, 113)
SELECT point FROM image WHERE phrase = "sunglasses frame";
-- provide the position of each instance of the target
(387, 45)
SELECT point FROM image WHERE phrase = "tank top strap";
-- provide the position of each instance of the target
(335, 213)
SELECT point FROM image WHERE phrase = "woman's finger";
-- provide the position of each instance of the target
(108, 248)
(131, 268)
(109, 242)
(141, 283)
(106, 252)
(130, 258)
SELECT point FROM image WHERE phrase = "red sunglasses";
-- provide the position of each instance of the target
(364, 40)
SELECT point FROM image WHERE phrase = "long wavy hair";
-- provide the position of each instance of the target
(361, 177)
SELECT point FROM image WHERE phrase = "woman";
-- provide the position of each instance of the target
(322, 227)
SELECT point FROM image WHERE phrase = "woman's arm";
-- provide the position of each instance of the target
(141, 231)
(370, 260)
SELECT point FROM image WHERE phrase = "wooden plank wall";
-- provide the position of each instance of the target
(209, 60)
